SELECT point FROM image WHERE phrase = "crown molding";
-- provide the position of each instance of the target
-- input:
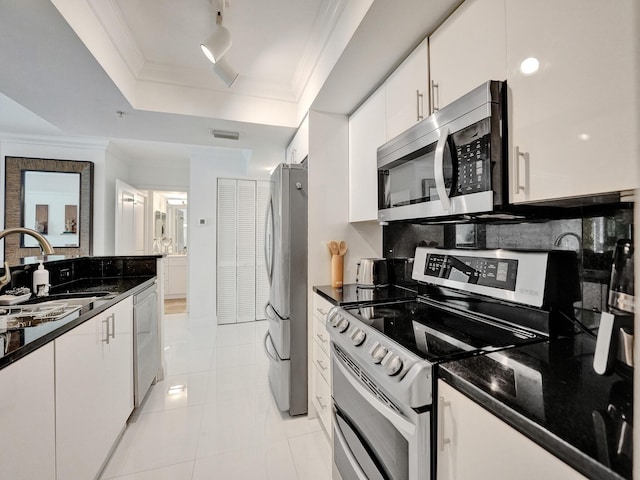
(58, 141)
(323, 26)
(109, 15)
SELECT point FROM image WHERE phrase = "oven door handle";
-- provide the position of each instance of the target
(438, 169)
(338, 435)
(404, 426)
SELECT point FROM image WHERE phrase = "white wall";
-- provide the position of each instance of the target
(116, 168)
(64, 148)
(328, 202)
(204, 171)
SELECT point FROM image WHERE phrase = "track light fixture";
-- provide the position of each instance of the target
(225, 72)
(218, 42)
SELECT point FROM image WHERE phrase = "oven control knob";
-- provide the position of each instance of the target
(392, 364)
(342, 325)
(378, 352)
(358, 337)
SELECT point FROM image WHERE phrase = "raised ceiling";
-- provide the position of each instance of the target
(72, 64)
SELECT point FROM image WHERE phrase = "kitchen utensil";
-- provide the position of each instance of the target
(333, 247)
(337, 270)
(342, 247)
(614, 345)
(372, 273)
(621, 287)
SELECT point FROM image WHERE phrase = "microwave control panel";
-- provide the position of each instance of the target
(471, 156)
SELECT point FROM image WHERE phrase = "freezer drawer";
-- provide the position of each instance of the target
(280, 333)
(279, 375)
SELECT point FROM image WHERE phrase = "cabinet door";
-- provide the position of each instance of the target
(298, 149)
(473, 443)
(366, 134)
(94, 390)
(406, 90)
(27, 416)
(573, 123)
(467, 50)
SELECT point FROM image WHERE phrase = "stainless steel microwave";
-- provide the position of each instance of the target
(451, 164)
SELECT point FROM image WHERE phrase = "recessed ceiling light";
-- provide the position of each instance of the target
(529, 66)
(176, 389)
(227, 135)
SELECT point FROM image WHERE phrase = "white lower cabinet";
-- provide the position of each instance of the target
(27, 416)
(94, 390)
(176, 276)
(320, 385)
(475, 444)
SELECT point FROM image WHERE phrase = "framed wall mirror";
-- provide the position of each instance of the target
(53, 197)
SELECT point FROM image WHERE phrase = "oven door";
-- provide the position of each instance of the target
(375, 439)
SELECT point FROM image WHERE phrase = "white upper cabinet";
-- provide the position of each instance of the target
(467, 50)
(298, 149)
(366, 134)
(406, 90)
(573, 123)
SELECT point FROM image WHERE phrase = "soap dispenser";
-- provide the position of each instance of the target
(41, 281)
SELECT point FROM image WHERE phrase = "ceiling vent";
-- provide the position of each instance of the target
(225, 134)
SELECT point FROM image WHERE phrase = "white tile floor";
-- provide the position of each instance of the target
(225, 424)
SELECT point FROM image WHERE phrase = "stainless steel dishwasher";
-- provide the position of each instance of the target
(146, 358)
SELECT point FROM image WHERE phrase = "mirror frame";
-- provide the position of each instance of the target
(14, 200)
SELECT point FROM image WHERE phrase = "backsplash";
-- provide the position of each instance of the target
(592, 235)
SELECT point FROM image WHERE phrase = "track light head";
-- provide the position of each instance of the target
(218, 42)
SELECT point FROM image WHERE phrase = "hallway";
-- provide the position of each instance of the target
(213, 417)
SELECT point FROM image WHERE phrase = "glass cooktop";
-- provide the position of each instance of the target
(439, 332)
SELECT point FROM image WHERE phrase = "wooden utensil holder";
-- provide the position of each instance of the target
(337, 270)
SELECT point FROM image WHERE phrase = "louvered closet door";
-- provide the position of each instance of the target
(262, 280)
(226, 251)
(246, 251)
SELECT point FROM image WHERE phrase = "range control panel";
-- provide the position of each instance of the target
(512, 275)
(491, 272)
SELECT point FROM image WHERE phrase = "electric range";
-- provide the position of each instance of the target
(385, 356)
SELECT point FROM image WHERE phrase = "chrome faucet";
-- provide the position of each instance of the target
(46, 247)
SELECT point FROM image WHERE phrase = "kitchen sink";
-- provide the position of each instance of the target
(70, 298)
(33, 315)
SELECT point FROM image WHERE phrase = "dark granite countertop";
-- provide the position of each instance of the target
(21, 341)
(550, 393)
(350, 294)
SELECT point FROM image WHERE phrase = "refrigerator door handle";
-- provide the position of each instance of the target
(268, 240)
(267, 339)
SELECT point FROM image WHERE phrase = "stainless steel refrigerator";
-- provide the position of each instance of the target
(286, 260)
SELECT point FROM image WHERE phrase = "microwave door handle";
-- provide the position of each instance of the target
(438, 167)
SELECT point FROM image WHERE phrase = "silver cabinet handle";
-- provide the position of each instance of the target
(113, 325)
(516, 169)
(442, 441)
(106, 338)
(321, 338)
(419, 106)
(322, 367)
(319, 400)
(435, 92)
